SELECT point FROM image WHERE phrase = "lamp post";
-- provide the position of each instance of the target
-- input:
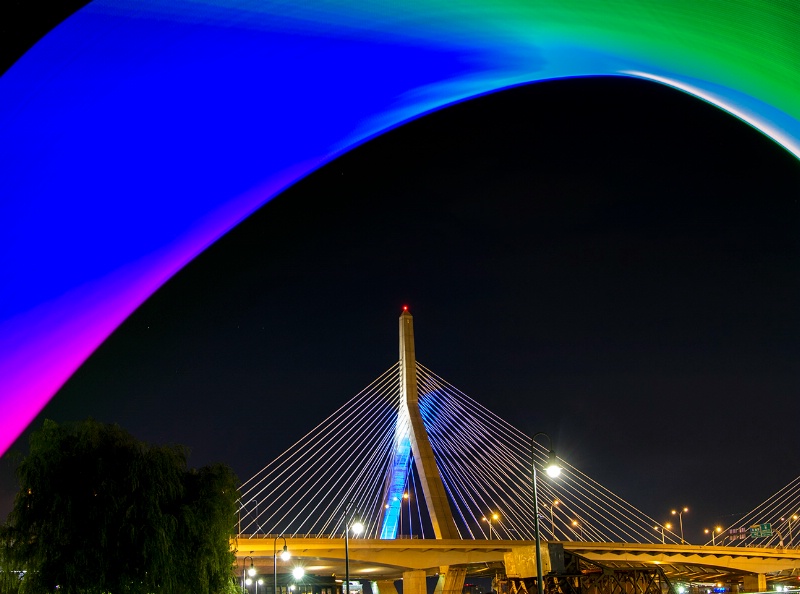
(552, 518)
(251, 571)
(494, 516)
(680, 513)
(404, 498)
(357, 528)
(579, 526)
(793, 517)
(285, 556)
(407, 498)
(713, 532)
(668, 526)
(239, 516)
(553, 470)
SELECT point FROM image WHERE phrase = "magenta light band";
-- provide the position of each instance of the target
(135, 134)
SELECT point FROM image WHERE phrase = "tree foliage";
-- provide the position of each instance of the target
(100, 512)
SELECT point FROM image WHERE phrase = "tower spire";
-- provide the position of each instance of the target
(432, 486)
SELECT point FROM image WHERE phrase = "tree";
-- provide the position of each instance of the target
(100, 512)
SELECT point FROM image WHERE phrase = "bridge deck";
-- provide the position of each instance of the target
(389, 558)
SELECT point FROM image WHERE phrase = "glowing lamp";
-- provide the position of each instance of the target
(553, 469)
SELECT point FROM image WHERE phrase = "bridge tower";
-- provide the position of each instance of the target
(411, 437)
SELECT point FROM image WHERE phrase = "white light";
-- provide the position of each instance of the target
(248, 581)
(286, 555)
(357, 528)
(553, 470)
(252, 571)
(298, 572)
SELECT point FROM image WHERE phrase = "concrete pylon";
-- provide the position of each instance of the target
(414, 582)
(432, 486)
(755, 582)
(451, 580)
(384, 587)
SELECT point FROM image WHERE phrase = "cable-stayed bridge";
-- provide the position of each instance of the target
(444, 485)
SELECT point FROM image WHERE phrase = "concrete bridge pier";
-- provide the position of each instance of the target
(414, 582)
(384, 587)
(755, 582)
(451, 580)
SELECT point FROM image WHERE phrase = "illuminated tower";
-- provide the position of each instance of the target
(412, 438)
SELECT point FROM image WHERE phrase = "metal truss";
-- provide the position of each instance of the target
(582, 576)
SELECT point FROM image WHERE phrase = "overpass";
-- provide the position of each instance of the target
(381, 559)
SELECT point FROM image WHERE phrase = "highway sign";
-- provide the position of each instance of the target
(760, 530)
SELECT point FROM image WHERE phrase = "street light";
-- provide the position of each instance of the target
(406, 497)
(714, 531)
(552, 518)
(285, 556)
(553, 470)
(668, 526)
(357, 528)
(579, 526)
(680, 513)
(256, 518)
(251, 571)
(792, 517)
(495, 516)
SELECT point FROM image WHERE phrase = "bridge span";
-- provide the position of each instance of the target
(381, 559)
(431, 476)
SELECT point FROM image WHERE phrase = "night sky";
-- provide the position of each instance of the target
(607, 260)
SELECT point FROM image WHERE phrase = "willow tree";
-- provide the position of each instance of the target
(100, 512)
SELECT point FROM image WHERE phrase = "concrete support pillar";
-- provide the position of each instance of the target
(440, 582)
(414, 582)
(755, 582)
(384, 587)
(451, 580)
(734, 586)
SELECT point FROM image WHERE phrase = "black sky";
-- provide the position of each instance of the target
(607, 260)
